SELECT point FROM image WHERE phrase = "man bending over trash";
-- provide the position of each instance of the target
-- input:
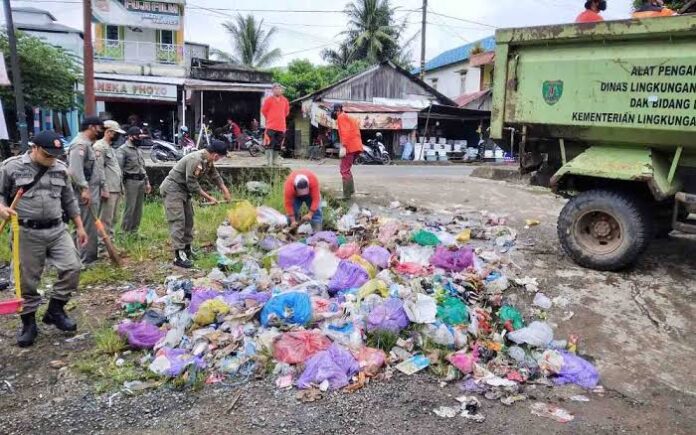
(302, 187)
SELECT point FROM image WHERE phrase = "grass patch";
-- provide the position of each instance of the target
(207, 261)
(108, 342)
(104, 273)
(106, 376)
(384, 340)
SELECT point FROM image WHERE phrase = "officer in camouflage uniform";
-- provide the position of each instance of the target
(178, 189)
(43, 235)
(135, 180)
(88, 179)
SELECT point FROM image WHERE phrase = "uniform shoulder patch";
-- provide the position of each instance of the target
(199, 169)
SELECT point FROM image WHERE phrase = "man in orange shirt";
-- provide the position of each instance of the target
(302, 187)
(653, 9)
(592, 10)
(275, 109)
(349, 133)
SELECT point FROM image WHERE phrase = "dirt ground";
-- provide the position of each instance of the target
(637, 326)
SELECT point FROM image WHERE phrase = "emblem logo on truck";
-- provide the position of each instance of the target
(552, 91)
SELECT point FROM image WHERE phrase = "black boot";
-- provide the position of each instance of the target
(190, 253)
(28, 334)
(182, 260)
(55, 315)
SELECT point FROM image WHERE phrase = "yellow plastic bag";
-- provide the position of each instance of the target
(464, 236)
(373, 286)
(209, 310)
(369, 268)
(242, 217)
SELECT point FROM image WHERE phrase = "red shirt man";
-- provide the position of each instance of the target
(276, 109)
(591, 13)
(302, 188)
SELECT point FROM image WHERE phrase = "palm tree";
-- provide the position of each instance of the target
(250, 41)
(370, 29)
(341, 57)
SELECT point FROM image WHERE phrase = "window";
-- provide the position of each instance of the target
(433, 83)
(112, 33)
(462, 81)
(166, 37)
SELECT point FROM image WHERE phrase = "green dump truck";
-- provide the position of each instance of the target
(605, 113)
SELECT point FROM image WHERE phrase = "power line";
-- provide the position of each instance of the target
(463, 19)
(450, 31)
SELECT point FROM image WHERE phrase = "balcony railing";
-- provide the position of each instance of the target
(138, 52)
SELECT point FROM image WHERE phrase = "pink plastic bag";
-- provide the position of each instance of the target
(464, 361)
(453, 260)
(412, 269)
(388, 233)
(140, 335)
(297, 347)
(138, 296)
(347, 250)
(370, 360)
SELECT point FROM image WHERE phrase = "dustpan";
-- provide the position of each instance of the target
(13, 306)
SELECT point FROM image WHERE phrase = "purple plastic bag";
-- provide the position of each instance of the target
(179, 360)
(140, 335)
(237, 298)
(335, 364)
(348, 275)
(377, 256)
(270, 244)
(200, 296)
(296, 254)
(576, 370)
(453, 260)
(324, 236)
(388, 316)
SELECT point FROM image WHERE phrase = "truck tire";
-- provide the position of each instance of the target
(604, 230)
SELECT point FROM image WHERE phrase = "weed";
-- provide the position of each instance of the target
(207, 261)
(104, 273)
(384, 340)
(106, 375)
(108, 342)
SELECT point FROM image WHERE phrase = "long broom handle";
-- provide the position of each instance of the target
(15, 201)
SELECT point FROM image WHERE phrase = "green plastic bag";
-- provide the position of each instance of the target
(425, 238)
(453, 311)
(342, 240)
(511, 313)
(242, 217)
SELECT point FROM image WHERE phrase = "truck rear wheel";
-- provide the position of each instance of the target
(604, 230)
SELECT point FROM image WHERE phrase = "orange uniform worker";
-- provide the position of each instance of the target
(592, 10)
(302, 187)
(276, 109)
(653, 9)
(349, 133)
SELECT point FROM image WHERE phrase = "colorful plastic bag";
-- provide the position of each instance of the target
(464, 361)
(140, 335)
(453, 260)
(335, 365)
(200, 296)
(453, 311)
(537, 334)
(415, 254)
(348, 276)
(422, 310)
(425, 238)
(328, 237)
(242, 217)
(377, 256)
(511, 314)
(325, 264)
(296, 254)
(388, 233)
(209, 311)
(370, 360)
(576, 370)
(373, 286)
(271, 217)
(293, 308)
(173, 362)
(347, 250)
(369, 268)
(388, 316)
(297, 347)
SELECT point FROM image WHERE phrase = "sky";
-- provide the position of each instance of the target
(304, 34)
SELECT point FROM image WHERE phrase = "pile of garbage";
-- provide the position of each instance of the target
(332, 310)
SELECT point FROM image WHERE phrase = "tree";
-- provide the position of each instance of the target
(373, 35)
(675, 5)
(250, 41)
(301, 77)
(49, 73)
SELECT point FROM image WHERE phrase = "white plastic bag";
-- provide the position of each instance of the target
(421, 310)
(446, 238)
(325, 264)
(415, 254)
(536, 334)
(270, 216)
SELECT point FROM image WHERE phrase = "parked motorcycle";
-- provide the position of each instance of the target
(374, 152)
(253, 144)
(163, 151)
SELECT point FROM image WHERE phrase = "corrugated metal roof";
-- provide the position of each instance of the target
(50, 28)
(466, 99)
(459, 54)
(355, 107)
(481, 59)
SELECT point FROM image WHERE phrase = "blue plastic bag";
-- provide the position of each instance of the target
(576, 370)
(335, 365)
(293, 308)
(296, 254)
(348, 275)
(389, 316)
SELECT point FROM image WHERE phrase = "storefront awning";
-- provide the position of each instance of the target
(136, 88)
(371, 116)
(207, 85)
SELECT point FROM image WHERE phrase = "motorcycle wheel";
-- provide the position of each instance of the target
(386, 159)
(360, 160)
(255, 150)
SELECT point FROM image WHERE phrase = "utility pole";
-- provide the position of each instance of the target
(16, 78)
(90, 108)
(423, 27)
